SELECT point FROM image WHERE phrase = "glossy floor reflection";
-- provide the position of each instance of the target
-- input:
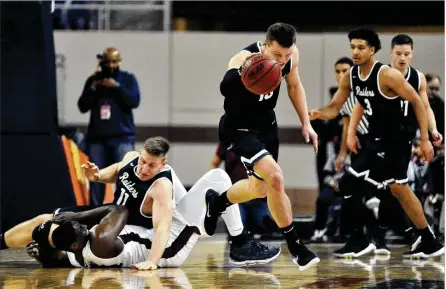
(207, 267)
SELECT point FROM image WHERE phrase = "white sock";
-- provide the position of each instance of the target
(233, 220)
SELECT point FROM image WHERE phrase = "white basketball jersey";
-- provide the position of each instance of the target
(137, 243)
(134, 251)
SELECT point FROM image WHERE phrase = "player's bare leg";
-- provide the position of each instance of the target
(279, 204)
(245, 190)
(21, 235)
(410, 203)
(429, 246)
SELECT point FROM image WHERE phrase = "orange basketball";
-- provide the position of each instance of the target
(261, 74)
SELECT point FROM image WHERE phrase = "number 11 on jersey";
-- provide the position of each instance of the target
(405, 106)
(122, 198)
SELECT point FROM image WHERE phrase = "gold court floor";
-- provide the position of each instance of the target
(207, 267)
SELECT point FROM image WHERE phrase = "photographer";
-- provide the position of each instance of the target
(110, 94)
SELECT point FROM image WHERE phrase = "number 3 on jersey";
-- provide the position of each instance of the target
(122, 198)
(266, 96)
(368, 109)
(404, 106)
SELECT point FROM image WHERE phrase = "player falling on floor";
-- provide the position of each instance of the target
(382, 93)
(111, 242)
(144, 184)
(249, 128)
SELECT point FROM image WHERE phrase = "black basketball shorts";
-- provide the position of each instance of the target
(250, 145)
(383, 162)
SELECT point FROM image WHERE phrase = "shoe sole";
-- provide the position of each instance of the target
(382, 252)
(422, 255)
(254, 262)
(314, 261)
(370, 248)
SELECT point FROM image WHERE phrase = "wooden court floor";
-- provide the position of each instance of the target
(207, 267)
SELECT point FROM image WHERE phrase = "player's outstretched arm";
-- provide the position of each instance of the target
(161, 193)
(90, 217)
(232, 82)
(394, 80)
(108, 174)
(334, 107)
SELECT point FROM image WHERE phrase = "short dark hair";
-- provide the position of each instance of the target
(366, 34)
(402, 39)
(344, 60)
(157, 146)
(431, 76)
(284, 34)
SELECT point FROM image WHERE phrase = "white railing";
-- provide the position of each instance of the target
(104, 20)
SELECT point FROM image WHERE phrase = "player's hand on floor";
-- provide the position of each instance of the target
(427, 151)
(438, 138)
(91, 171)
(33, 249)
(147, 265)
(309, 134)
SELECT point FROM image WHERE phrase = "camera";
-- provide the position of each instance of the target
(106, 71)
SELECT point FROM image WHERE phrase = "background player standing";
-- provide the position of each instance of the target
(381, 92)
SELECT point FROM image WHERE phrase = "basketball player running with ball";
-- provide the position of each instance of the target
(249, 128)
(382, 93)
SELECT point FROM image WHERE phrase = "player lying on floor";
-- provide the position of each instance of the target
(63, 241)
(151, 191)
(111, 243)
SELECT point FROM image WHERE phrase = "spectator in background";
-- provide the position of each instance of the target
(255, 214)
(110, 94)
(433, 82)
(433, 204)
(417, 171)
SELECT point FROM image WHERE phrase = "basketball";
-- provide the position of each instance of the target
(261, 74)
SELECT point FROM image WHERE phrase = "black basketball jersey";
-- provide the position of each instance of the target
(413, 78)
(383, 112)
(249, 109)
(131, 191)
